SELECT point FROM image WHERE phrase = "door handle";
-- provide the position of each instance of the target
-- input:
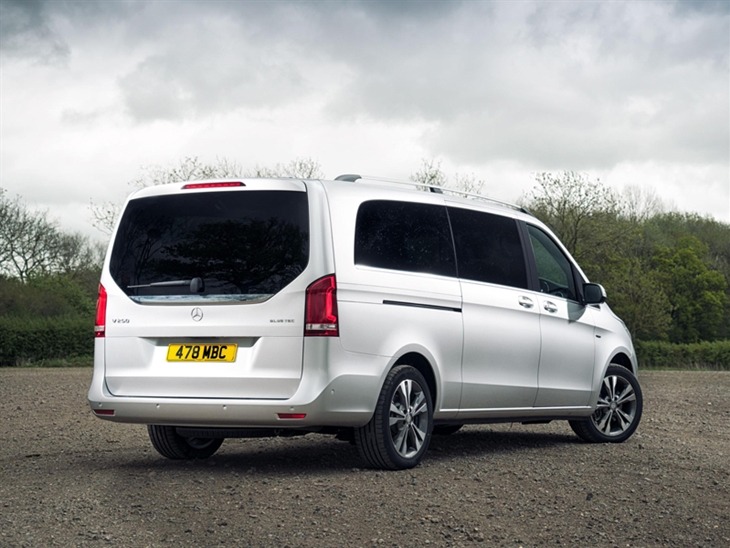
(550, 307)
(526, 302)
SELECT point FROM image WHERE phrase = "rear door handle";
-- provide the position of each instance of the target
(526, 302)
(550, 307)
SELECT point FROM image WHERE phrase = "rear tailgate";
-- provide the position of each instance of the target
(206, 291)
(264, 340)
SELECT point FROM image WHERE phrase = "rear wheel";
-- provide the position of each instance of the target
(620, 404)
(172, 445)
(399, 433)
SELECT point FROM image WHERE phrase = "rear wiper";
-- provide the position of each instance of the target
(196, 284)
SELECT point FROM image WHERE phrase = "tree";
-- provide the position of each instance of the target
(27, 240)
(75, 254)
(568, 201)
(667, 231)
(635, 293)
(32, 245)
(188, 169)
(469, 183)
(639, 204)
(430, 173)
(6, 214)
(104, 215)
(696, 292)
(299, 168)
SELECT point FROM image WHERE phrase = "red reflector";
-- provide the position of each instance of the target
(104, 412)
(100, 323)
(192, 186)
(291, 415)
(320, 315)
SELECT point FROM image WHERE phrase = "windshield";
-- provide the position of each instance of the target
(212, 246)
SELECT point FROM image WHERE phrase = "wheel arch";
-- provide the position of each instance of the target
(624, 361)
(621, 356)
(424, 367)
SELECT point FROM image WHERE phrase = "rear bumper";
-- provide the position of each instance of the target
(325, 410)
(337, 391)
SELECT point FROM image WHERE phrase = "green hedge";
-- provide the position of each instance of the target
(38, 340)
(664, 355)
(24, 341)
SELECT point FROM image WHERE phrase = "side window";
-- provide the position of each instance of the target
(488, 248)
(553, 268)
(404, 236)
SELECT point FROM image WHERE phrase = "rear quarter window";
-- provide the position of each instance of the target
(235, 245)
(404, 236)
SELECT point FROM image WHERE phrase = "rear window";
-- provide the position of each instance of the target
(211, 246)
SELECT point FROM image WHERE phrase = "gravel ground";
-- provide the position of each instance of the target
(69, 479)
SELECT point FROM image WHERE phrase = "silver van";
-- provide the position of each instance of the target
(367, 309)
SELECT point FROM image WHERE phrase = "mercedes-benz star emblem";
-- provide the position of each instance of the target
(196, 314)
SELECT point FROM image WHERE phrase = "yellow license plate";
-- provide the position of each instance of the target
(201, 352)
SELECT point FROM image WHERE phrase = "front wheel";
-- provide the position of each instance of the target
(617, 415)
(172, 445)
(399, 433)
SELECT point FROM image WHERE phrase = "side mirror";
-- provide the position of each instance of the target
(594, 294)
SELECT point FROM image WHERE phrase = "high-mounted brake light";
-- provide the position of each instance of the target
(100, 323)
(320, 315)
(191, 186)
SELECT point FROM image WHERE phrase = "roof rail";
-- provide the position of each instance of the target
(432, 188)
(349, 177)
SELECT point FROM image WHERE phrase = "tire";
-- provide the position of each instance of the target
(446, 429)
(398, 435)
(172, 445)
(620, 404)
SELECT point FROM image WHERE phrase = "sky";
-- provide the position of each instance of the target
(634, 94)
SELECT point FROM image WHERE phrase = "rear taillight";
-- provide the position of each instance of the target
(291, 416)
(100, 323)
(321, 309)
(104, 412)
(220, 184)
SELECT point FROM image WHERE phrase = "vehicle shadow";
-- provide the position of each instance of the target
(483, 443)
(315, 454)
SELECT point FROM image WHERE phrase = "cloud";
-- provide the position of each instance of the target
(558, 84)
(180, 83)
(554, 85)
(27, 31)
(215, 58)
(634, 91)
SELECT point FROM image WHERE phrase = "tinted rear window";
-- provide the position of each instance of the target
(404, 236)
(238, 246)
(488, 248)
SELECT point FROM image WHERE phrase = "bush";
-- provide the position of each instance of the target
(703, 355)
(24, 340)
(46, 296)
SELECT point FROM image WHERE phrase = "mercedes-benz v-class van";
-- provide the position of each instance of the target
(357, 307)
